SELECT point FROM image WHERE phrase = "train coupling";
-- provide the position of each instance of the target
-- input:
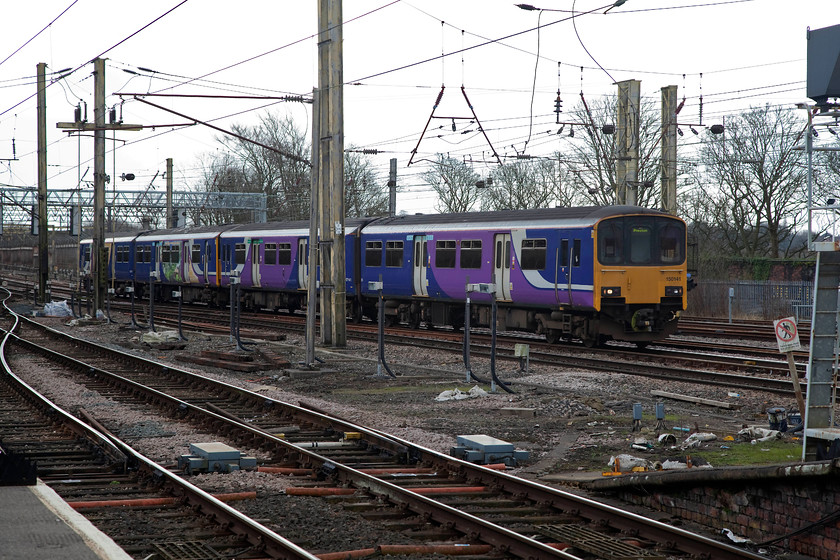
(642, 320)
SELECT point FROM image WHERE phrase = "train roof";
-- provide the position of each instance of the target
(296, 228)
(191, 232)
(577, 216)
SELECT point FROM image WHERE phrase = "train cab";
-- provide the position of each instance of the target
(640, 273)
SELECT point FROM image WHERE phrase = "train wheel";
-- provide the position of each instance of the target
(641, 345)
(552, 336)
(595, 341)
(414, 318)
(356, 312)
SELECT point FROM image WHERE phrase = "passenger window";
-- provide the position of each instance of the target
(239, 253)
(564, 252)
(270, 254)
(394, 253)
(373, 253)
(195, 254)
(576, 253)
(471, 253)
(533, 254)
(445, 254)
(284, 253)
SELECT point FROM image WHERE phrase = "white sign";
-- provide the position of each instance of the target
(787, 335)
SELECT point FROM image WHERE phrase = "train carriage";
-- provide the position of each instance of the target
(270, 261)
(545, 265)
(592, 273)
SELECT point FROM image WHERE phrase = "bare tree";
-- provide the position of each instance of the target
(363, 193)
(524, 184)
(455, 184)
(282, 171)
(220, 173)
(589, 155)
(754, 184)
(273, 158)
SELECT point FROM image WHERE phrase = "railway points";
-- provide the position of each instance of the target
(330, 383)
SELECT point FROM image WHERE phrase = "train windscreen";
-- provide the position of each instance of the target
(641, 240)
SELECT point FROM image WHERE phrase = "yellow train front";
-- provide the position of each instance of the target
(640, 276)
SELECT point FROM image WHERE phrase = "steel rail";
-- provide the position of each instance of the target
(488, 532)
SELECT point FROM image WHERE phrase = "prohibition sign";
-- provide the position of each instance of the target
(787, 334)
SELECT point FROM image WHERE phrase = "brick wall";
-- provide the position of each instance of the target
(759, 510)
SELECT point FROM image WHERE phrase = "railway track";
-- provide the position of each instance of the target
(413, 488)
(711, 363)
(738, 368)
(144, 508)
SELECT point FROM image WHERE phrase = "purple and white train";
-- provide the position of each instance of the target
(592, 273)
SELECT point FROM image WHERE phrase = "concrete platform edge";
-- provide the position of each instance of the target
(100, 543)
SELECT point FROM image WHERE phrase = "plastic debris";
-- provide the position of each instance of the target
(735, 538)
(755, 434)
(57, 309)
(667, 439)
(627, 462)
(457, 394)
(695, 439)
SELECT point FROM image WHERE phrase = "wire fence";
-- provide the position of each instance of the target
(754, 300)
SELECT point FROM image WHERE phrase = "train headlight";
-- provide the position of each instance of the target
(676, 291)
(611, 292)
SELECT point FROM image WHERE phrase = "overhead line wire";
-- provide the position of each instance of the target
(281, 47)
(100, 55)
(465, 49)
(41, 31)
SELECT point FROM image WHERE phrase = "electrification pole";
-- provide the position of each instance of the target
(99, 252)
(627, 163)
(392, 189)
(43, 232)
(312, 255)
(668, 166)
(170, 216)
(331, 169)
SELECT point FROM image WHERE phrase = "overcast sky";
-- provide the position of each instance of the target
(749, 53)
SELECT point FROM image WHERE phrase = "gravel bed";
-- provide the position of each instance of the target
(569, 408)
(570, 421)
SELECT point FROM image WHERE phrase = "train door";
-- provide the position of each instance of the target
(303, 264)
(421, 262)
(573, 267)
(501, 268)
(563, 283)
(184, 261)
(256, 259)
(208, 261)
